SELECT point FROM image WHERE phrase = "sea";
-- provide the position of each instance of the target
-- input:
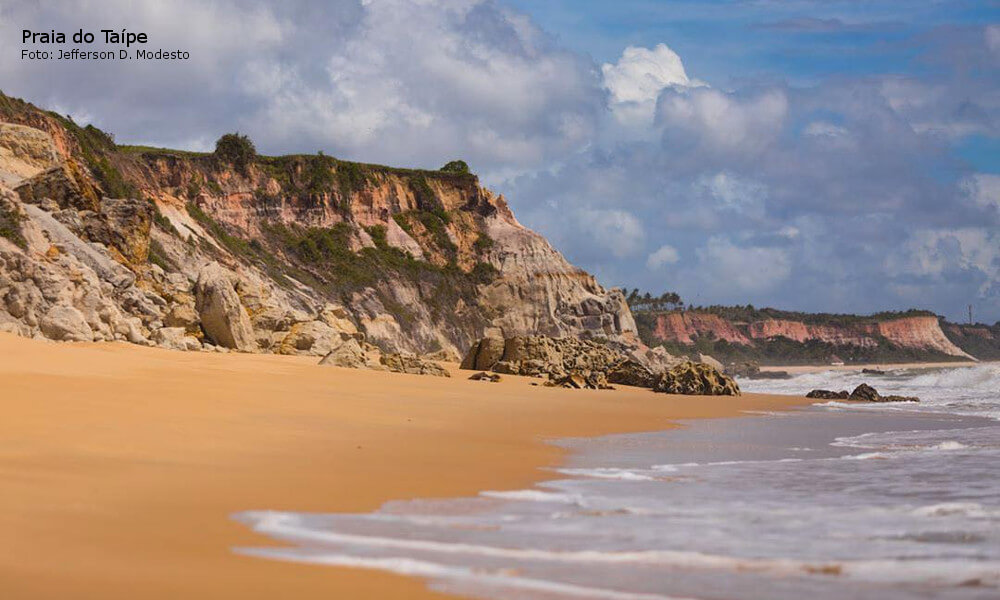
(834, 501)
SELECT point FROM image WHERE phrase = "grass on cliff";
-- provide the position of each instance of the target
(10, 225)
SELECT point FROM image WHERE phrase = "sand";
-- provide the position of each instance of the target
(120, 466)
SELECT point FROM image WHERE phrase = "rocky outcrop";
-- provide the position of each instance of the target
(583, 364)
(862, 393)
(698, 379)
(353, 353)
(223, 318)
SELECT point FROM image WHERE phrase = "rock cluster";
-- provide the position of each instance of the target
(862, 393)
(484, 376)
(698, 379)
(584, 364)
(354, 353)
(581, 380)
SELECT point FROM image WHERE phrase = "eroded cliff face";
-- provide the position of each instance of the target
(918, 333)
(310, 247)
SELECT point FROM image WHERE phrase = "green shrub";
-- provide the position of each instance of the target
(10, 225)
(237, 150)
(456, 166)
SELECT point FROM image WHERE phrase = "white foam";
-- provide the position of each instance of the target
(608, 473)
(973, 510)
(534, 496)
(420, 568)
(950, 445)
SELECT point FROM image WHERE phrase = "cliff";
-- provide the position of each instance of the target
(275, 254)
(782, 337)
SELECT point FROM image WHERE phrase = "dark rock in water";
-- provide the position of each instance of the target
(484, 376)
(864, 393)
(747, 369)
(770, 375)
(828, 395)
(898, 399)
(873, 372)
(696, 379)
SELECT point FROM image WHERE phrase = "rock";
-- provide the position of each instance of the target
(484, 354)
(892, 398)
(223, 319)
(631, 372)
(313, 338)
(184, 316)
(484, 376)
(405, 363)
(864, 393)
(175, 338)
(337, 318)
(708, 360)
(742, 369)
(65, 323)
(696, 379)
(828, 395)
(57, 184)
(349, 354)
(770, 375)
(872, 372)
(444, 355)
(581, 380)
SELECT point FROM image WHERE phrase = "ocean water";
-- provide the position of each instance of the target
(835, 501)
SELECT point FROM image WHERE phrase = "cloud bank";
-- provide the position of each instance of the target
(847, 193)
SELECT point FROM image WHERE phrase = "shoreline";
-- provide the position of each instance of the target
(799, 369)
(122, 465)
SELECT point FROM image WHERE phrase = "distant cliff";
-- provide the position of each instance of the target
(272, 254)
(783, 337)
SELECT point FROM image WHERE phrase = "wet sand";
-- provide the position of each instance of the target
(120, 466)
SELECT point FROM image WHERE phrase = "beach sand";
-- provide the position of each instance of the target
(120, 466)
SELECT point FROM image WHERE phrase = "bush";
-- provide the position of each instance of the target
(456, 166)
(237, 150)
(10, 225)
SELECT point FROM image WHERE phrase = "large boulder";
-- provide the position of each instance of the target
(65, 323)
(350, 354)
(484, 354)
(314, 338)
(698, 379)
(223, 318)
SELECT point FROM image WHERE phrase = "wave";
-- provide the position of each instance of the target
(290, 527)
(478, 577)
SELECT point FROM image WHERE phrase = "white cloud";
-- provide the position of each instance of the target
(617, 231)
(743, 270)
(664, 255)
(983, 189)
(637, 79)
(720, 122)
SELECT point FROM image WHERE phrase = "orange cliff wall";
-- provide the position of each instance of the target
(922, 333)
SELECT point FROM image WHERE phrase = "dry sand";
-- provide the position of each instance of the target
(120, 466)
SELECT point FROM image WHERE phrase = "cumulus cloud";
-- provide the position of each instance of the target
(722, 264)
(413, 83)
(664, 255)
(636, 80)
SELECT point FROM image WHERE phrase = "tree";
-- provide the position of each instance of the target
(456, 166)
(237, 150)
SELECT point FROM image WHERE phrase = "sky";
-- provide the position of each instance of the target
(819, 155)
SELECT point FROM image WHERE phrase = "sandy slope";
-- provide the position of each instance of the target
(120, 465)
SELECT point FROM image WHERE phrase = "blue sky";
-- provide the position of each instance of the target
(837, 155)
